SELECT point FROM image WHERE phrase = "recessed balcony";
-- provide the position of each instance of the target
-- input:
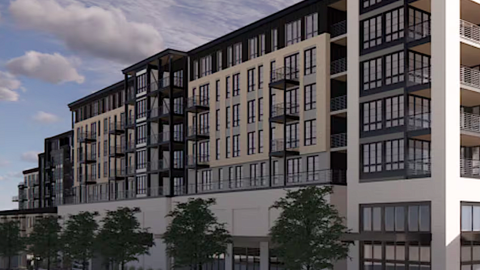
(130, 123)
(117, 175)
(90, 158)
(163, 113)
(117, 128)
(198, 162)
(282, 148)
(338, 142)
(284, 78)
(166, 87)
(419, 168)
(130, 147)
(338, 33)
(338, 69)
(285, 112)
(87, 137)
(163, 166)
(198, 104)
(338, 106)
(198, 133)
(117, 151)
(89, 179)
(163, 139)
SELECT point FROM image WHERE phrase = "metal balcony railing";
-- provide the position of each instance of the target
(281, 145)
(338, 66)
(130, 146)
(470, 31)
(88, 157)
(470, 122)
(419, 167)
(164, 137)
(165, 82)
(419, 30)
(165, 110)
(338, 103)
(119, 125)
(470, 168)
(83, 136)
(284, 73)
(198, 131)
(73, 196)
(470, 76)
(117, 173)
(198, 160)
(291, 109)
(198, 101)
(338, 140)
(420, 75)
(419, 121)
(119, 149)
(338, 29)
(15, 199)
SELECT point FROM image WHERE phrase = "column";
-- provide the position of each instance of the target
(229, 257)
(264, 256)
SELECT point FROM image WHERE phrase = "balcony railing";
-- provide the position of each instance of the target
(198, 131)
(198, 101)
(198, 160)
(338, 29)
(338, 103)
(120, 125)
(338, 140)
(164, 164)
(130, 146)
(15, 199)
(117, 173)
(470, 122)
(104, 195)
(164, 137)
(419, 121)
(291, 109)
(165, 82)
(422, 75)
(85, 136)
(419, 30)
(470, 31)
(119, 149)
(338, 66)
(470, 76)
(420, 167)
(165, 110)
(281, 145)
(88, 157)
(470, 168)
(284, 73)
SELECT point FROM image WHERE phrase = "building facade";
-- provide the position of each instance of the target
(28, 190)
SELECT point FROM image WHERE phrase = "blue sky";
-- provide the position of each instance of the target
(53, 52)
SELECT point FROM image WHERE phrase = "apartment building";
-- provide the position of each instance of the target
(28, 190)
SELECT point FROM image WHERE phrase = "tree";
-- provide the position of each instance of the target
(78, 237)
(11, 242)
(121, 239)
(307, 235)
(195, 236)
(44, 241)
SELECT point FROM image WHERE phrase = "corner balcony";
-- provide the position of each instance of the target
(87, 137)
(117, 175)
(284, 78)
(163, 167)
(285, 113)
(117, 151)
(87, 159)
(419, 168)
(166, 88)
(163, 140)
(163, 113)
(198, 162)
(198, 133)
(280, 148)
(198, 104)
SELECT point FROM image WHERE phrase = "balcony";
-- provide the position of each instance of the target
(470, 32)
(131, 97)
(163, 166)
(198, 162)
(285, 112)
(89, 179)
(419, 78)
(15, 199)
(338, 67)
(163, 86)
(419, 168)
(117, 174)
(338, 141)
(198, 104)
(163, 139)
(280, 148)
(198, 133)
(130, 147)
(470, 129)
(87, 137)
(21, 185)
(130, 122)
(163, 113)
(419, 32)
(470, 168)
(470, 77)
(338, 104)
(284, 78)
(338, 29)
(117, 128)
(87, 159)
(117, 151)
(422, 121)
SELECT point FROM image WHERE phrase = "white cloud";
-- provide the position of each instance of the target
(93, 30)
(30, 156)
(8, 83)
(52, 68)
(45, 118)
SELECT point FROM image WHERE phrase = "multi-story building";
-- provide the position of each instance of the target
(28, 190)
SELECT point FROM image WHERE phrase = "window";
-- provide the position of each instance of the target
(292, 65)
(260, 109)
(372, 116)
(227, 87)
(251, 111)
(274, 40)
(236, 145)
(220, 178)
(206, 177)
(253, 47)
(227, 117)
(254, 175)
(217, 120)
(394, 68)
(238, 53)
(142, 184)
(293, 134)
(394, 111)
(311, 25)
(238, 176)
(293, 170)
(236, 115)
(206, 65)
(141, 109)
(196, 73)
(310, 97)
(251, 143)
(372, 157)
(311, 61)
(394, 25)
(394, 155)
(372, 74)
(251, 80)
(229, 56)
(260, 77)
(217, 149)
(217, 90)
(312, 168)
(141, 134)
(293, 32)
(419, 115)
(105, 148)
(260, 141)
(369, 3)
(236, 84)
(219, 61)
(141, 161)
(372, 32)
(141, 83)
(228, 148)
(261, 44)
(310, 132)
